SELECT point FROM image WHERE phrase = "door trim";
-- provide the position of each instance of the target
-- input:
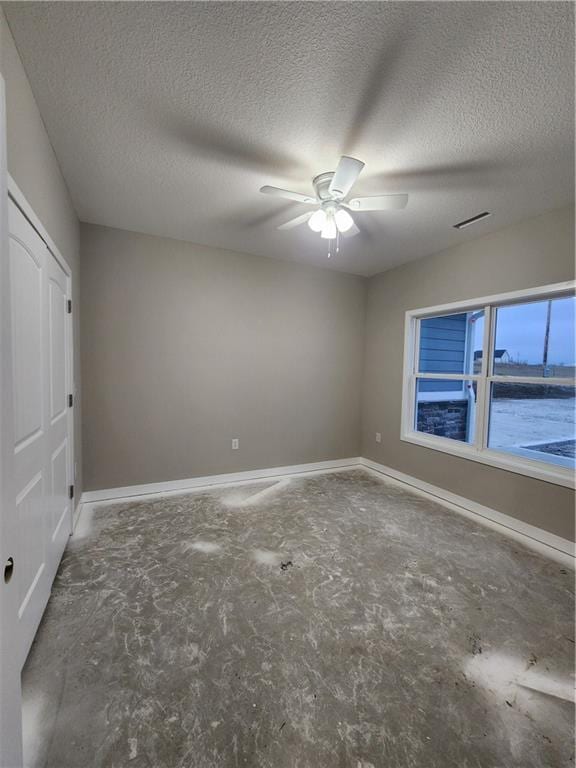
(20, 201)
(10, 661)
(10, 684)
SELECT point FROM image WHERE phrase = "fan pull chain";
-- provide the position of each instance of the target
(331, 244)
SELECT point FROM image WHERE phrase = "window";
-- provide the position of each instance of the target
(494, 380)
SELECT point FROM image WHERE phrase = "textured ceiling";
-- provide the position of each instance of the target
(168, 117)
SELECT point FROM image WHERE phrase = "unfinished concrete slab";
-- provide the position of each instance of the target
(333, 620)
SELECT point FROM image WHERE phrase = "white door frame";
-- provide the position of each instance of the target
(17, 196)
(10, 686)
(10, 681)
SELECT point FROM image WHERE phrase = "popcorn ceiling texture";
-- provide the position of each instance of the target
(167, 117)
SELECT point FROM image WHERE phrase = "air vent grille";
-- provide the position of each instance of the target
(473, 220)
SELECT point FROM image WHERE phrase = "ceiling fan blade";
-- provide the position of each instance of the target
(287, 195)
(378, 203)
(351, 232)
(295, 222)
(345, 176)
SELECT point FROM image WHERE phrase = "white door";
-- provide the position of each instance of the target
(10, 703)
(59, 427)
(42, 435)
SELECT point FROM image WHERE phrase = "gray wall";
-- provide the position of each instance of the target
(34, 167)
(185, 347)
(535, 252)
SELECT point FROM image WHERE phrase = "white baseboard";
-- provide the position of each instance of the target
(546, 543)
(179, 486)
(552, 546)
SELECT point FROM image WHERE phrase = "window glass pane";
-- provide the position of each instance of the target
(535, 421)
(535, 339)
(446, 408)
(451, 343)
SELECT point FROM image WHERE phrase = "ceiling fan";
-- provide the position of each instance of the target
(331, 217)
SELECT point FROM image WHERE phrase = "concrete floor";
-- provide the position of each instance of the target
(335, 620)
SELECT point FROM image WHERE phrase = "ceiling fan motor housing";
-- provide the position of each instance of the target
(321, 185)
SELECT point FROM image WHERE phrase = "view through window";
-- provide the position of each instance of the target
(499, 378)
(532, 412)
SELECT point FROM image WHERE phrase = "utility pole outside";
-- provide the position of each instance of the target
(546, 339)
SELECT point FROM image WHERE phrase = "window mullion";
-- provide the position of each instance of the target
(416, 348)
(481, 424)
(553, 381)
(411, 376)
(449, 376)
(489, 341)
(483, 386)
(413, 388)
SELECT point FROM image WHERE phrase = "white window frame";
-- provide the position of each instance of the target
(478, 450)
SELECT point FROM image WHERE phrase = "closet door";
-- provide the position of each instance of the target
(10, 683)
(41, 425)
(58, 428)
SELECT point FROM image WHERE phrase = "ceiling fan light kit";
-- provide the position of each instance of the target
(329, 230)
(317, 220)
(332, 217)
(344, 221)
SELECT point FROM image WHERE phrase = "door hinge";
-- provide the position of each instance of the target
(70, 401)
(71, 491)
(69, 306)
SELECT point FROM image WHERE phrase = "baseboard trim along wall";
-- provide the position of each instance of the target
(547, 544)
(177, 486)
(544, 542)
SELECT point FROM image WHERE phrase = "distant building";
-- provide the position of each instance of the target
(500, 355)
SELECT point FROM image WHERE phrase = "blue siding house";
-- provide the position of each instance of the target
(443, 350)
(446, 407)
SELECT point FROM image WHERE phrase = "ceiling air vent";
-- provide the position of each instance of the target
(473, 220)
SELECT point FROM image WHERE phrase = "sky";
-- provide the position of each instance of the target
(520, 330)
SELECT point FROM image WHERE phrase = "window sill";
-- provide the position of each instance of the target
(536, 469)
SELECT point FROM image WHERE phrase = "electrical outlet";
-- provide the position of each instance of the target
(378, 437)
(235, 443)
